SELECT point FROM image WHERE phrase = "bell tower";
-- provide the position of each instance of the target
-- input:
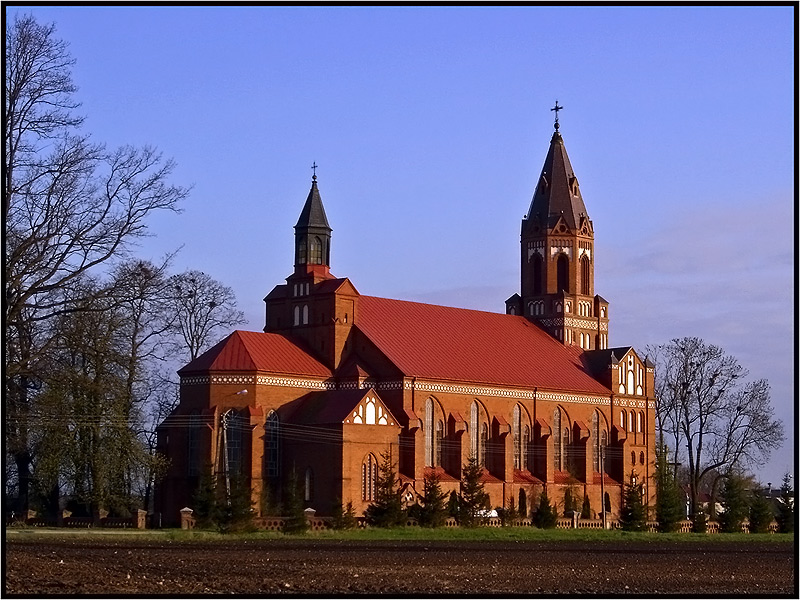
(557, 257)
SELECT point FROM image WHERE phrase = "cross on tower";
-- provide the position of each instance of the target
(314, 166)
(556, 108)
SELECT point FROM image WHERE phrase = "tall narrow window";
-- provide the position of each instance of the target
(316, 251)
(517, 422)
(438, 443)
(193, 458)
(557, 440)
(297, 315)
(301, 252)
(526, 440)
(562, 273)
(305, 314)
(369, 478)
(484, 443)
(585, 275)
(537, 274)
(473, 430)
(233, 427)
(429, 439)
(272, 445)
(596, 439)
(309, 485)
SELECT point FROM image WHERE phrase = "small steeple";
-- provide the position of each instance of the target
(312, 232)
(557, 193)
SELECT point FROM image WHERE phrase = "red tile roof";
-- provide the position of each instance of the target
(255, 351)
(456, 344)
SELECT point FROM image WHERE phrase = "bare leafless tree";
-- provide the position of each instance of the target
(716, 421)
(204, 308)
(70, 206)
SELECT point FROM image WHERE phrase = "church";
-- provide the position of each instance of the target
(338, 380)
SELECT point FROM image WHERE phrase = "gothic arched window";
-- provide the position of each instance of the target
(562, 273)
(272, 445)
(316, 251)
(484, 443)
(369, 478)
(233, 426)
(557, 441)
(537, 274)
(309, 485)
(585, 275)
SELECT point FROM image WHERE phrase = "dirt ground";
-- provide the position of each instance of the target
(35, 565)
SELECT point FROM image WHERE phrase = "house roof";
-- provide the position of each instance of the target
(332, 407)
(456, 344)
(256, 351)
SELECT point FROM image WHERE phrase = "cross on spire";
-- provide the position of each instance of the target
(556, 108)
(314, 166)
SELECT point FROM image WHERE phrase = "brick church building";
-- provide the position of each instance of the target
(336, 379)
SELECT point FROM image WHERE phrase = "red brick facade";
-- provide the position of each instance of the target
(337, 379)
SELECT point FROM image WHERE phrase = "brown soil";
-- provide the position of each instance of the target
(39, 566)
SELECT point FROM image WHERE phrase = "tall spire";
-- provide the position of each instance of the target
(557, 193)
(312, 232)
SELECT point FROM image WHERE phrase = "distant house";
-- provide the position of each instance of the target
(338, 380)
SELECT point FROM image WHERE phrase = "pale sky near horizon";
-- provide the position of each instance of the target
(430, 126)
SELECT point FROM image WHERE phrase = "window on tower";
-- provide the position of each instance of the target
(585, 275)
(316, 251)
(562, 273)
(537, 274)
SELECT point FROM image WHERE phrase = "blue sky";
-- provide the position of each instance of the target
(430, 126)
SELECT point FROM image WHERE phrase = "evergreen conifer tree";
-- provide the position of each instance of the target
(344, 518)
(760, 513)
(452, 505)
(522, 505)
(734, 499)
(545, 516)
(569, 502)
(633, 516)
(786, 506)
(473, 497)
(236, 513)
(387, 510)
(586, 509)
(669, 506)
(434, 508)
(205, 502)
(295, 517)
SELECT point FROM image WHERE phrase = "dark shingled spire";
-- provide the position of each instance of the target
(313, 213)
(557, 193)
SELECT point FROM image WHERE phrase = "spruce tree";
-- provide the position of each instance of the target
(569, 502)
(669, 506)
(236, 514)
(522, 505)
(452, 505)
(586, 509)
(633, 516)
(473, 497)
(545, 516)
(786, 506)
(760, 513)
(734, 499)
(343, 518)
(387, 510)
(434, 509)
(205, 502)
(295, 518)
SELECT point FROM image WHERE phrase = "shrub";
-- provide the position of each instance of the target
(734, 500)
(760, 513)
(633, 516)
(473, 497)
(433, 511)
(387, 510)
(545, 516)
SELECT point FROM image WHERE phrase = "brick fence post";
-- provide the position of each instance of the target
(186, 518)
(141, 519)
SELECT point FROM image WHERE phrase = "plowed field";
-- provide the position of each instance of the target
(38, 566)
